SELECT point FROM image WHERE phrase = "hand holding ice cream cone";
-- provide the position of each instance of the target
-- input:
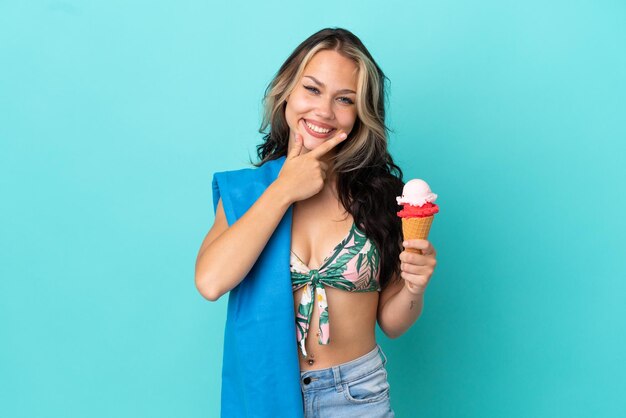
(418, 259)
(417, 268)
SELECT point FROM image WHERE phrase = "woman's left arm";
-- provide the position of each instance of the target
(402, 301)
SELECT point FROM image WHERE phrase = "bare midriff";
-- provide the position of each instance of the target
(352, 329)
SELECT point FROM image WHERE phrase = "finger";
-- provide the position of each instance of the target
(410, 257)
(430, 250)
(418, 244)
(328, 145)
(296, 148)
(415, 269)
(324, 166)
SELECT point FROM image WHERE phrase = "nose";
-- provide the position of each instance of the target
(325, 109)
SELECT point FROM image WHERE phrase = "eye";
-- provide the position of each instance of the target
(346, 100)
(311, 89)
(342, 99)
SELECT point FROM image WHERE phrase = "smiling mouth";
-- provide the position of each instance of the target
(317, 131)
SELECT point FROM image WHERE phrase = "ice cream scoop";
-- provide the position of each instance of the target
(416, 192)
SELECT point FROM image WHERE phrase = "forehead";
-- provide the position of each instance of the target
(333, 69)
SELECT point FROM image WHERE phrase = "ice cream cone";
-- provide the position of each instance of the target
(416, 228)
(418, 210)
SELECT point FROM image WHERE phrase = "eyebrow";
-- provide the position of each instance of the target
(323, 85)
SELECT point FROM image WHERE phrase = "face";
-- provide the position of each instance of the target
(323, 100)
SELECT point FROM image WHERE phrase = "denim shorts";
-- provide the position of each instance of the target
(358, 388)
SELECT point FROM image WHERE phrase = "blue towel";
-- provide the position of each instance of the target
(260, 370)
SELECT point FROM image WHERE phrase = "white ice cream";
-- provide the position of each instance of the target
(416, 192)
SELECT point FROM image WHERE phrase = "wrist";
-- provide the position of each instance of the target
(277, 194)
(413, 290)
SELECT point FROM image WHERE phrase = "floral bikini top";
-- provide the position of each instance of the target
(353, 265)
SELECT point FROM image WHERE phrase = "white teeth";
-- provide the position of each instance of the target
(317, 128)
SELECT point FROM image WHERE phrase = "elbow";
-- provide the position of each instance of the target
(389, 333)
(210, 293)
(211, 296)
(392, 335)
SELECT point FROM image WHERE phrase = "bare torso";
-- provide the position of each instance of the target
(319, 224)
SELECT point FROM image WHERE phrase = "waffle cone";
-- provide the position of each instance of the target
(416, 228)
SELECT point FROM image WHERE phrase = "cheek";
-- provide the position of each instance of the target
(298, 104)
(347, 118)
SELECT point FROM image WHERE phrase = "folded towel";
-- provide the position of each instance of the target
(260, 370)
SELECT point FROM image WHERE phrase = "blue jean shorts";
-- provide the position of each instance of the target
(358, 388)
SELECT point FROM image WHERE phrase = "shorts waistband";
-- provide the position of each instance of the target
(345, 372)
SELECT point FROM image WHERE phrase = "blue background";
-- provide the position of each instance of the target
(114, 116)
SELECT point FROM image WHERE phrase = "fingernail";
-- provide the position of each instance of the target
(343, 136)
(404, 243)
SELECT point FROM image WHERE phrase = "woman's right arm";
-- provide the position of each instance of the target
(227, 254)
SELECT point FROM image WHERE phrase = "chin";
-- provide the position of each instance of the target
(311, 143)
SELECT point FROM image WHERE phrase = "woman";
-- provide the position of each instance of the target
(325, 116)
